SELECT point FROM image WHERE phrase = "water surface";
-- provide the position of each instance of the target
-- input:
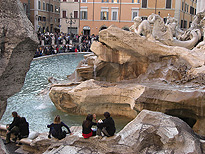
(39, 109)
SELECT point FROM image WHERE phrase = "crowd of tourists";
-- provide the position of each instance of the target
(53, 43)
(20, 127)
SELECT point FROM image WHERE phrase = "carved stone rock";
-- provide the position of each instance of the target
(149, 132)
(18, 43)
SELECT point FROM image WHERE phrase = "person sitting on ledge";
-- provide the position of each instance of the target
(106, 126)
(56, 129)
(87, 126)
(13, 127)
(23, 128)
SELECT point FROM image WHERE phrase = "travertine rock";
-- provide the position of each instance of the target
(18, 43)
(97, 97)
(158, 77)
(149, 132)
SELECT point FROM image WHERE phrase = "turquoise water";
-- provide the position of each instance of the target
(39, 109)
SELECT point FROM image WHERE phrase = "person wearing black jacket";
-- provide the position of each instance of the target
(23, 128)
(56, 129)
(87, 126)
(107, 126)
(13, 127)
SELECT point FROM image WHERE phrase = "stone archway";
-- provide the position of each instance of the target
(103, 27)
(184, 114)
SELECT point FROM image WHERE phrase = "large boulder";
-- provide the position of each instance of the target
(18, 43)
(149, 132)
(128, 98)
(155, 132)
(97, 97)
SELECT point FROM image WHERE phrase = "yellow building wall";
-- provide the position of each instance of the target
(125, 12)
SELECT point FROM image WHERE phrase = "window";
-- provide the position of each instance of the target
(135, 1)
(114, 15)
(182, 6)
(83, 15)
(64, 0)
(115, 1)
(185, 24)
(39, 18)
(64, 14)
(75, 14)
(47, 7)
(51, 8)
(191, 10)
(39, 5)
(44, 18)
(144, 3)
(104, 15)
(44, 6)
(106, 1)
(135, 12)
(168, 4)
(84, 1)
(181, 23)
(75, 0)
(56, 9)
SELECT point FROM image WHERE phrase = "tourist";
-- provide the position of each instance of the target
(23, 128)
(106, 126)
(56, 129)
(87, 126)
(13, 127)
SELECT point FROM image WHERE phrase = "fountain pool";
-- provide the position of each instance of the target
(38, 109)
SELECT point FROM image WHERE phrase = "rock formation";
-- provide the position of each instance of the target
(18, 43)
(132, 73)
(149, 132)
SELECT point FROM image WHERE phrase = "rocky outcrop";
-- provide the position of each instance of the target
(133, 73)
(149, 132)
(128, 98)
(18, 43)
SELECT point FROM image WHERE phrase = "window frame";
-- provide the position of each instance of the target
(134, 10)
(39, 5)
(146, 4)
(112, 11)
(170, 4)
(74, 14)
(64, 14)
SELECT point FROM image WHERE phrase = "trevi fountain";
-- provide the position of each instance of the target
(154, 74)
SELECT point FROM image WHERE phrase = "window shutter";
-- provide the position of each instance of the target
(80, 15)
(107, 15)
(101, 15)
(86, 15)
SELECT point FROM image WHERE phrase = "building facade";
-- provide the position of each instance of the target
(69, 21)
(96, 15)
(27, 7)
(44, 14)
